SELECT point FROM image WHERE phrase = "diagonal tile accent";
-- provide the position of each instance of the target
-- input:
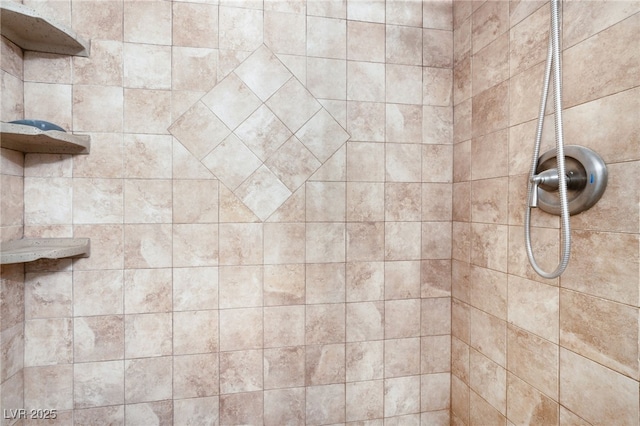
(260, 132)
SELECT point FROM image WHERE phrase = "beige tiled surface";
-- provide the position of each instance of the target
(287, 229)
(525, 350)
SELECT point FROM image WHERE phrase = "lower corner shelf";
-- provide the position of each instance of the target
(30, 249)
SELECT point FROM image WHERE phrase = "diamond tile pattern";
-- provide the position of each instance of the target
(260, 132)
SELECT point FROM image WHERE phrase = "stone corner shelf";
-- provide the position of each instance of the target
(25, 138)
(30, 249)
(32, 31)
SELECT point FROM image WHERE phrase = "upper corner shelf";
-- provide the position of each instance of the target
(32, 31)
(30, 249)
(24, 138)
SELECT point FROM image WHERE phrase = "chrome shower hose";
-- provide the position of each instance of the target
(553, 65)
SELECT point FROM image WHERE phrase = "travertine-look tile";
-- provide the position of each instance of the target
(491, 65)
(284, 284)
(194, 25)
(401, 357)
(527, 404)
(528, 41)
(48, 341)
(534, 360)
(195, 332)
(325, 283)
(285, 33)
(51, 101)
(325, 364)
(284, 367)
(147, 23)
(199, 130)
(148, 335)
(489, 21)
(364, 400)
(146, 66)
(241, 329)
(148, 246)
(365, 361)
(489, 380)
(242, 408)
(147, 111)
(402, 280)
(240, 29)
(581, 380)
(401, 396)
(365, 81)
(609, 46)
(50, 386)
(284, 326)
(403, 45)
(325, 404)
(195, 288)
(284, 406)
(403, 123)
(481, 412)
(325, 323)
(104, 66)
(148, 379)
(534, 307)
(98, 338)
(48, 295)
(365, 321)
(98, 384)
(604, 331)
(365, 281)
(194, 410)
(193, 69)
(365, 41)
(241, 371)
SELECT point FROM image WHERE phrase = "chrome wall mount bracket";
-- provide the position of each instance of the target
(586, 175)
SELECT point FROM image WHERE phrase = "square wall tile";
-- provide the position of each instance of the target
(240, 29)
(195, 25)
(147, 22)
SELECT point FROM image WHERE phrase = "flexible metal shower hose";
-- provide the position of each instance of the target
(553, 64)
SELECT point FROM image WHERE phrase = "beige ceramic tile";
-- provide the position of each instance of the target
(368, 12)
(191, 127)
(241, 371)
(241, 329)
(147, 290)
(401, 12)
(581, 379)
(322, 135)
(365, 400)
(365, 162)
(197, 409)
(617, 280)
(488, 22)
(326, 37)
(325, 364)
(263, 73)
(603, 331)
(481, 412)
(293, 173)
(488, 204)
(284, 284)
(489, 246)
(326, 78)
(401, 396)
(263, 192)
(594, 18)
(50, 386)
(232, 162)
(437, 48)
(491, 65)
(145, 201)
(609, 46)
(147, 66)
(148, 379)
(404, 122)
(195, 201)
(147, 335)
(402, 318)
(97, 292)
(285, 33)
(325, 242)
(161, 410)
(528, 41)
(106, 160)
(147, 111)
(284, 367)
(114, 414)
(242, 408)
(402, 162)
(534, 360)
(402, 280)
(365, 81)
(493, 111)
(403, 45)
(489, 380)
(107, 247)
(325, 283)
(98, 20)
(240, 29)
(402, 240)
(534, 307)
(283, 406)
(148, 246)
(52, 102)
(436, 240)
(148, 22)
(48, 341)
(58, 68)
(365, 241)
(193, 68)
(329, 8)
(103, 67)
(195, 25)
(195, 332)
(195, 288)
(365, 41)
(196, 376)
(463, 79)
(365, 361)
(98, 338)
(240, 286)
(365, 281)
(462, 40)
(437, 86)
(284, 326)
(401, 357)
(232, 101)
(437, 14)
(488, 291)
(365, 321)
(47, 295)
(47, 201)
(98, 384)
(325, 404)
(462, 121)
(195, 245)
(437, 125)
(436, 278)
(526, 403)
(325, 323)
(293, 115)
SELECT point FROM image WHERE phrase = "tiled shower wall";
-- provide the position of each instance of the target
(526, 350)
(194, 308)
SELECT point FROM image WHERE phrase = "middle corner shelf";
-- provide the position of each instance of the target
(29, 139)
